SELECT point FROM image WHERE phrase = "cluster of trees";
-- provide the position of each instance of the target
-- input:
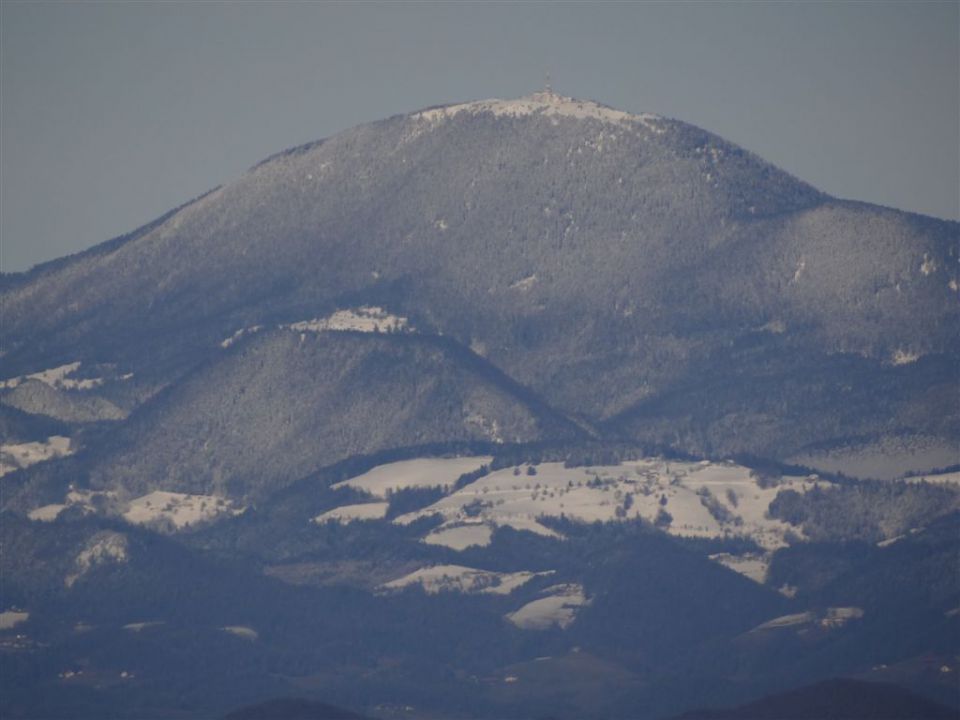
(869, 511)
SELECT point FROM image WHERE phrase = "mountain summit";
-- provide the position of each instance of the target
(508, 408)
(641, 277)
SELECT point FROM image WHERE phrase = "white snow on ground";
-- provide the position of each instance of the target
(11, 618)
(22, 455)
(460, 536)
(349, 513)
(928, 266)
(559, 607)
(457, 578)
(227, 342)
(526, 284)
(362, 319)
(752, 566)
(546, 103)
(140, 626)
(104, 548)
(241, 631)
(47, 513)
(422, 472)
(833, 618)
(839, 616)
(890, 541)
(904, 357)
(785, 621)
(180, 509)
(58, 378)
(682, 489)
(54, 377)
(86, 500)
(936, 478)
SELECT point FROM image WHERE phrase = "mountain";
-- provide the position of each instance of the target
(634, 271)
(508, 408)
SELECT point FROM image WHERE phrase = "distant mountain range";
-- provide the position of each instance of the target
(527, 408)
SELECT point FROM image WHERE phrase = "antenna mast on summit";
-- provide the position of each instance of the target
(547, 88)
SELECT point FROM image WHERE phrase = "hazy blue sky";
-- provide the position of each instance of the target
(112, 113)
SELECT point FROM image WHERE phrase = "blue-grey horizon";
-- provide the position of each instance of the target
(113, 113)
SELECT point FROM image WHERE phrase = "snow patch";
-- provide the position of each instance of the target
(180, 509)
(460, 536)
(947, 478)
(558, 608)
(239, 334)
(928, 266)
(11, 618)
(751, 566)
(241, 631)
(457, 578)
(141, 626)
(104, 548)
(362, 319)
(834, 617)
(548, 104)
(840, 616)
(59, 378)
(526, 284)
(785, 621)
(17, 456)
(703, 499)
(349, 513)
(420, 473)
(47, 513)
(904, 357)
(890, 541)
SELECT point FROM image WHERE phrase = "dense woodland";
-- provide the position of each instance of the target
(583, 291)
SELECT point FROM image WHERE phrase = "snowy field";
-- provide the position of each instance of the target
(180, 509)
(833, 617)
(362, 319)
(700, 499)
(241, 631)
(59, 378)
(23, 455)
(752, 566)
(691, 499)
(558, 608)
(460, 536)
(11, 618)
(949, 478)
(366, 318)
(349, 513)
(46, 513)
(419, 473)
(457, 578)
(546, 103)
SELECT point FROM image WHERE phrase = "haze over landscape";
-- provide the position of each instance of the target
(110, 114)
(512, 406)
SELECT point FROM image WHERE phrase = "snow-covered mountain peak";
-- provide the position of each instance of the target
(544, 102)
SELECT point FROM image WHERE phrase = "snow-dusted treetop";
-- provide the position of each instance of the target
(545, 102)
